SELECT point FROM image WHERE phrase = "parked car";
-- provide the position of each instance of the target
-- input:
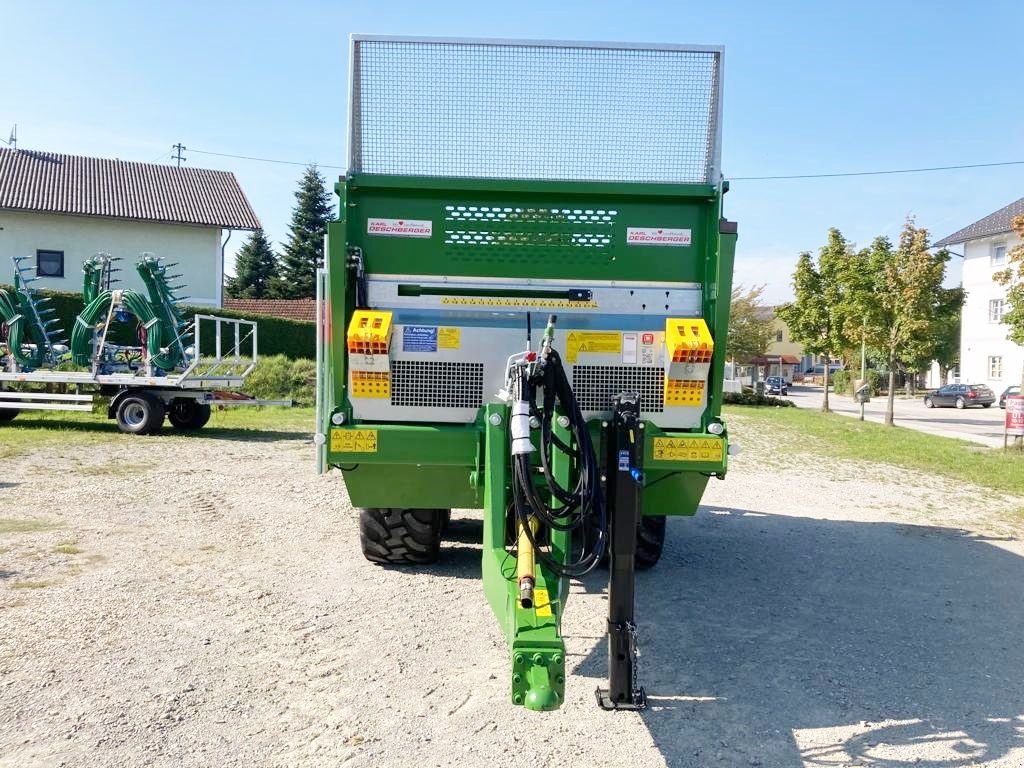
(776, 385)
(1013, 390)
(961, 396)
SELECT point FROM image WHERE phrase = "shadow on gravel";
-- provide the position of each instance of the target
(782, 642)
(214, 433)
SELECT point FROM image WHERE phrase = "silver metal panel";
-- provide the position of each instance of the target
(528, 109)
(491, 346)
(609, 298)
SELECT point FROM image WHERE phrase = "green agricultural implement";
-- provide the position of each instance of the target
(171, 367)
(523, 309)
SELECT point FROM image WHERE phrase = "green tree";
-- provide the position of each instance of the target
(817, 317)
(900, 314)
(256, 269)
(304, 251)
(946, 333)
(1013, 278)
(751, 324)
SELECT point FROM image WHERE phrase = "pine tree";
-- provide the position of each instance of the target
(256, 268)
(304, 251)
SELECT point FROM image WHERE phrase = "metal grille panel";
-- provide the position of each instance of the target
(534, 110)
(596, 385)
(432, 384)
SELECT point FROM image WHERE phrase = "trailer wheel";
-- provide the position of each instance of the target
(187, 414)
(396, 536)
(8, 414)
(650, 541)
(140, 413)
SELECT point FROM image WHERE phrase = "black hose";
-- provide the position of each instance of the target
(580, 508)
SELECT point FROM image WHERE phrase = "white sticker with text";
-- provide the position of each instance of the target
(653, 236)
(400, 227)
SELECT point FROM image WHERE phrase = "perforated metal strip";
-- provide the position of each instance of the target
(596, 385)
(430, 384)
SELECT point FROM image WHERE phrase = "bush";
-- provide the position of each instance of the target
(278, 378)
(842, 381)
(749, 398)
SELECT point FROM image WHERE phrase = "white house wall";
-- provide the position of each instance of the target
(980, 338)
(195, 249)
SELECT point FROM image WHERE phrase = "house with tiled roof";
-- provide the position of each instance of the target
(58, 210)
(987, 356)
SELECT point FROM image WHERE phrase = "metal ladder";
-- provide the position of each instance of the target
(43, 317)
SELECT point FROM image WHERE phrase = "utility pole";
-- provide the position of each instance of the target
(179, 147)
(12, 142)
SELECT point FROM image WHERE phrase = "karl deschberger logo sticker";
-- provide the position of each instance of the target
(654, 236)
(400, 227)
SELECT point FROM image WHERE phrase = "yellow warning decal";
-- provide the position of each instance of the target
(592, 341)
(448, 338)
(353, 440)
(473, 301)
(688, 449)
(542, 603)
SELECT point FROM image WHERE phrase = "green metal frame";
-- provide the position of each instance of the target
(459, 466)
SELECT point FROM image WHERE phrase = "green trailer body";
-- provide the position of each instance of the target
(456, 259)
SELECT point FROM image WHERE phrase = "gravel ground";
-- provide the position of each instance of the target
(202, 602)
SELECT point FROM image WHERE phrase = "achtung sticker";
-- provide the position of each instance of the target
(353, 440)
(542, 603)
(688, 449)
(448, 338)
(400, 227)
(653, 236)
(606, 342)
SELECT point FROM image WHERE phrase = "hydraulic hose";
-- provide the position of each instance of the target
(577, 509)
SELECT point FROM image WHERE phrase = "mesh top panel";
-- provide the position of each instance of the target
(533, 111)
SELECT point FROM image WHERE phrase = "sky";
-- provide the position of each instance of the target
(815, 87)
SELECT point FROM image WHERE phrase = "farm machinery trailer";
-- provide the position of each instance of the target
(178, 369)
(523, 309)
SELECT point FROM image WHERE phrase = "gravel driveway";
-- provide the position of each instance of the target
(202, 602)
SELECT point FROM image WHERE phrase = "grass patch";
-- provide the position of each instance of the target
(33, 430)
(802, 430)
(67, 548)
(31, 584)
(10, 525)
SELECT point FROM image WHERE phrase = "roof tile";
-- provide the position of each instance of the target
(44, 182)
(993, 224)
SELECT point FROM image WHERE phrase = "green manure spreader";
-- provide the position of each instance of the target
(523, 309)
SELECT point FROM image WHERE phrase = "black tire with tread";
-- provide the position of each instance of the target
(397, 536)
(153, 410)
(650, 541)
(8, 414)
(187, 414)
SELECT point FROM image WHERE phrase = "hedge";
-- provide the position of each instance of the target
(292, 338)
(842, 382)
(749, 398)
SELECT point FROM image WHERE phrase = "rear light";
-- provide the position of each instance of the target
(972, 394)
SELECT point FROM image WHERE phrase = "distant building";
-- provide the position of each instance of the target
(59, 210)
(987, 356)
(783, 357)
(302, 310)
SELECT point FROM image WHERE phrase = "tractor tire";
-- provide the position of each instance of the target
(8, 414)
(187, 414)
(650, 541)
(140, 413)
(396, 536)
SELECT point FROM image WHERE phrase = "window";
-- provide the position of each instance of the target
(49, 263)
(996, 310)
(995, 367)
(778, 335)
(999, 255)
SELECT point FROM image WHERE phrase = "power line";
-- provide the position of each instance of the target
(876, 173)
(267, 159)
(888, 172)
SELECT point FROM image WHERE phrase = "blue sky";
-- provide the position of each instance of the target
(809, 88)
